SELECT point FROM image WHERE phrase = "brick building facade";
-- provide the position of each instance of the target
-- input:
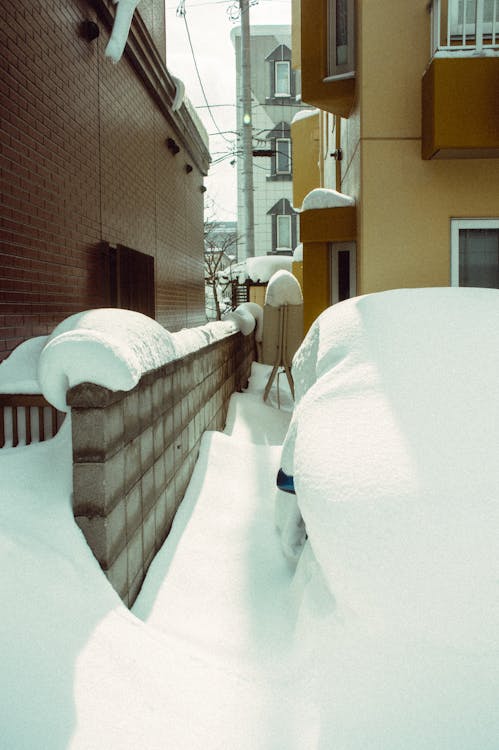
(102, 177)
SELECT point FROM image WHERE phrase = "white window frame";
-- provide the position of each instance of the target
(456, 226)
(347, 69)
(335, 249)
(287, 93)
(468, 28)
(279, 244)
(278, 142)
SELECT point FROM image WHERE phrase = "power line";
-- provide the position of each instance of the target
(181, 11)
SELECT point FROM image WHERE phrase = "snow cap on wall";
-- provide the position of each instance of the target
(298, 254)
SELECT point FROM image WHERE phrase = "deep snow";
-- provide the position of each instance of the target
(384, 636)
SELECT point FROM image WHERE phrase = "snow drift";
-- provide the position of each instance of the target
(393, 447)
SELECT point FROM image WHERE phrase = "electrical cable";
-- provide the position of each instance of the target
(181, 11)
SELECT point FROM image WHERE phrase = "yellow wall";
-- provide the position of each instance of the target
(305, 143)
(405, 212)
(316, 284)
(404, 203)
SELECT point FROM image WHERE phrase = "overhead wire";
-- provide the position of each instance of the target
(181, 12)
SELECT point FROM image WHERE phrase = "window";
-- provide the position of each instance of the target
(283, 227)
(283, 155)
(475, 252)
(282, 78)
(284, 232)
(341, 38)
(463, 14)
(130, 279)
(343, 271)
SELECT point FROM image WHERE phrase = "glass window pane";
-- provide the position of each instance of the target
(282, 78)
(283, 155)
(479, 257)
(341, 32)
(284, 231)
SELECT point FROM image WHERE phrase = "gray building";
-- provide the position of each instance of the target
(274, 104)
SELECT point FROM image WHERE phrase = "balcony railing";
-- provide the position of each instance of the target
(464, 26)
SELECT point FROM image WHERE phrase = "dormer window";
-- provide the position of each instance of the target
(283, 155)
(282, 77)
(280, 143)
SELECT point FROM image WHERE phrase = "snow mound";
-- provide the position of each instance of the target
(394, 452)
(283, 289)
(256, 311)
(109, 347)
(121, 27)
(18, 373)
(258, 269)
(326, 198)
(243, 319)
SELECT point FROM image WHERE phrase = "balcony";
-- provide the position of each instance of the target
(460, 87)
(459, 26)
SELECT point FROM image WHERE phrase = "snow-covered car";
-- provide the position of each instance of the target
(393, 448)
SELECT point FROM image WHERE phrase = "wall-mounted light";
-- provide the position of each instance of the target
(89, 30)
(172, 146)
(188, 168)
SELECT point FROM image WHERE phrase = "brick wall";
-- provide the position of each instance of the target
(83, 162)
(134, 453)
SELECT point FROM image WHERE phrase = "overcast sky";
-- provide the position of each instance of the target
(209, 25)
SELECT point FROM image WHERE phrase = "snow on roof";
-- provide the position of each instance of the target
(283, 289)
(326, 198)
(258, 269)
(121, 27)
(303, 114)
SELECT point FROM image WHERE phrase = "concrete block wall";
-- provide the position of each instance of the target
(134, 453)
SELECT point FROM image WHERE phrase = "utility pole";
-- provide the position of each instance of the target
(247, 132)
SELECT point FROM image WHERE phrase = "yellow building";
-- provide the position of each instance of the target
(404, 121)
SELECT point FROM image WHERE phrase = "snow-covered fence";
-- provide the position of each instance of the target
(27, 418)
(134, 452)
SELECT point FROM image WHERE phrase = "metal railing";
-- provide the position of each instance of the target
(459, 26)
(27, 418)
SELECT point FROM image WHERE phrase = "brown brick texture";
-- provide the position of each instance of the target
(83, 162)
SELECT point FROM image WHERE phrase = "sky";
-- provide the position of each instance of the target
(209, 25)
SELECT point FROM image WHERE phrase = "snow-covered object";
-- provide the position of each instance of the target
(243, 319)
(326, 198)
(304, 114)
(18, 373)
(283, 289)
(109, 347)
(394, 454)
(256, 311)
(179, 94)
(121, 27)
(298, 253)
